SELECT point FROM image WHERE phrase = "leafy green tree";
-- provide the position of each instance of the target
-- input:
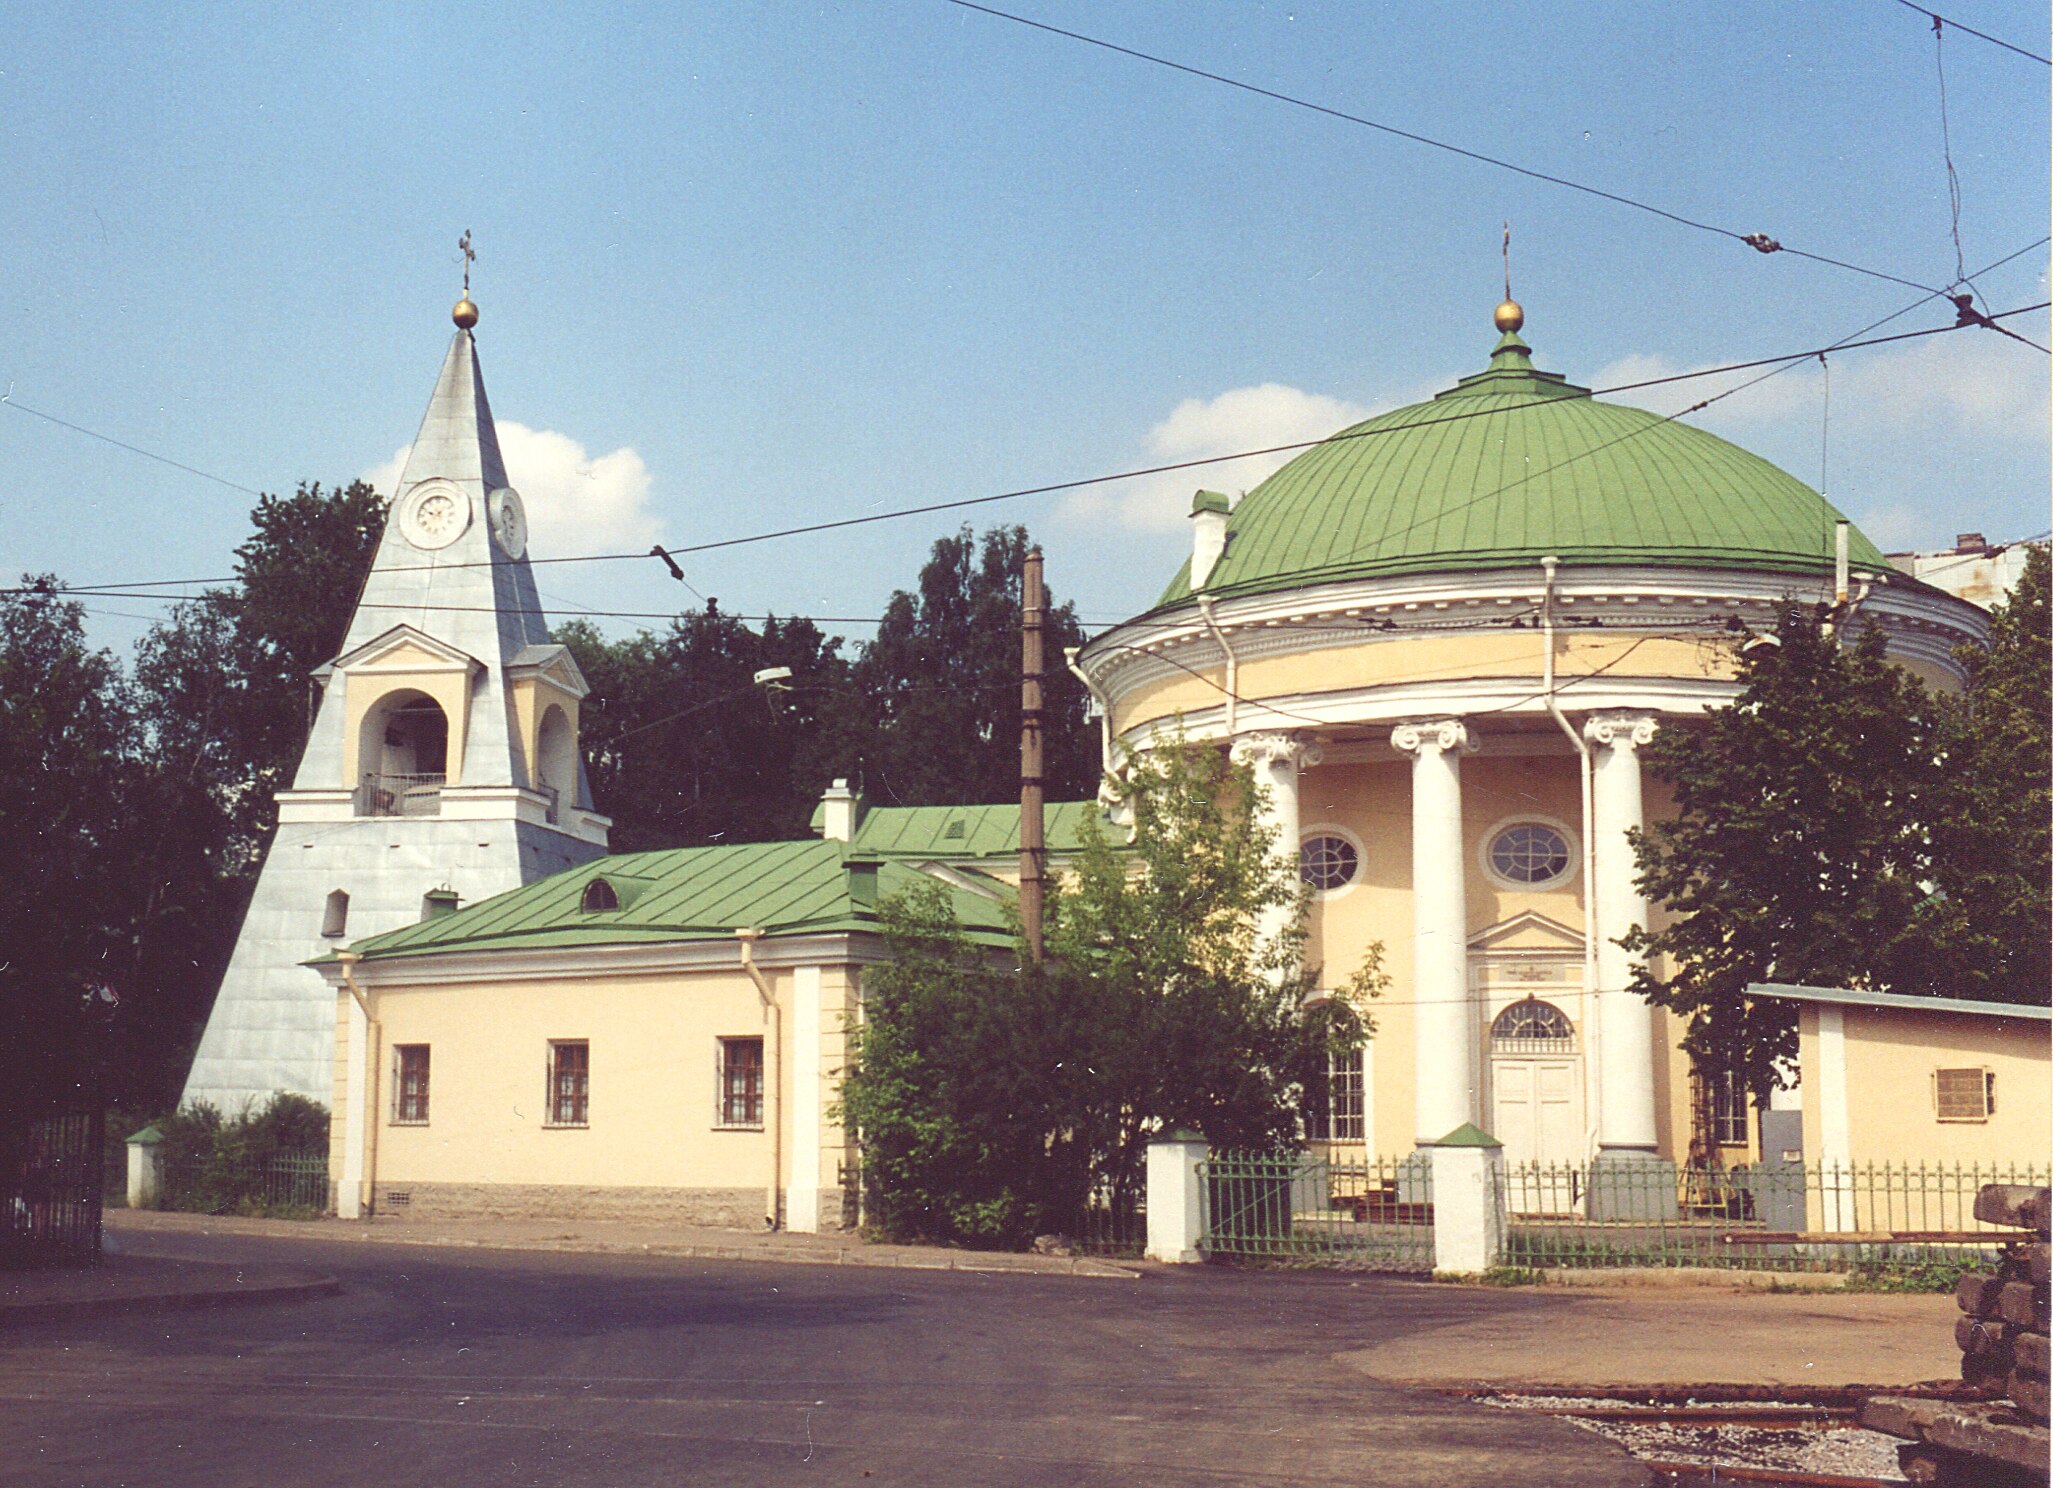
(992, 1100)
(683, 746)
(66, 733)
(1992, 831)
(942, 682)
(1800, 851)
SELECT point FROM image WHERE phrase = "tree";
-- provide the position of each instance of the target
(993, 1100)
(683, 746)
(1992, 831)
(65, 748)
(1800, 851)
(942, 681)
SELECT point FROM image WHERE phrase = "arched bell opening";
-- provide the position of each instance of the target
(556, 760)
(403, 756)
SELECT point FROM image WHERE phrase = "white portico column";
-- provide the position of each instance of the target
(1444, 1041)
(1276, 759)
(1626, 1020)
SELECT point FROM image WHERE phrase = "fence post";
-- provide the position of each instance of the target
(1468, 1200)
(1176, 1216)
(145, 1168)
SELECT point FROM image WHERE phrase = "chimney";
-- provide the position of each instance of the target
(1207, 535)
(840, 809)
(438, 902)
(1971, 542)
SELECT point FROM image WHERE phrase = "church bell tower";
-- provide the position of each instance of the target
(443, 761)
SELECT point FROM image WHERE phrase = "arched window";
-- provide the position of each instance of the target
(1532, 1027)
(403, 756)
(335, 917)
(556, 760)
(599, 896)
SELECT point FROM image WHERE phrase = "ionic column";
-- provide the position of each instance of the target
(1444, 1040)
(1625, 1112)
(1276, 759)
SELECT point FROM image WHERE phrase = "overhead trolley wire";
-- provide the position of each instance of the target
(1758, 241)
(1778, 363)
(1985, 36)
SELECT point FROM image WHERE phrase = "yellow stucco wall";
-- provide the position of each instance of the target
(653, 1061)
(1890, 1058)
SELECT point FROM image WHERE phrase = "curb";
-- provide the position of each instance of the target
(284, 1291)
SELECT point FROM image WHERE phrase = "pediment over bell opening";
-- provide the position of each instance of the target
(1528, 931)
(552, 663)
(402, 649)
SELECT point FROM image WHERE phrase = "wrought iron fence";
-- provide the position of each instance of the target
(1364, 1213)
(50, 1187)
(285, 1186)
(1112, 1222)
(1769, 1217)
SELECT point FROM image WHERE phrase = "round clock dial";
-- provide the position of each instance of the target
(509, 521)
(435, 515)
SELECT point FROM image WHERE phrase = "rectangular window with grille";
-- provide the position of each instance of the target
(740, 1078)
(1964, 1094)
(409, 1084)
(1335, 1114)
(570, 1082)
(1728, 1109)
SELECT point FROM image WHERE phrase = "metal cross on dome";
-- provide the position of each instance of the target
(469, 257)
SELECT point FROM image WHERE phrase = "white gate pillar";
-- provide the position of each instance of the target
(1469, 1201)
(1444, 1041)
(1176, 1212)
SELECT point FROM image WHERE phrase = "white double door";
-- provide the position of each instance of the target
(1537, 1107)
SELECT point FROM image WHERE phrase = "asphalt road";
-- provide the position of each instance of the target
(495, 1368)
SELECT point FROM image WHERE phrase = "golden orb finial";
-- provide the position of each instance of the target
(465, 314)
(1509, 317)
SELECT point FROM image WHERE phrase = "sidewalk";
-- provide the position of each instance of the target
(610, 1237)
(136, 1283)
(1682, 1336)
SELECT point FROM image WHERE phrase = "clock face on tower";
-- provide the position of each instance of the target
(435, 515)
(509, 521)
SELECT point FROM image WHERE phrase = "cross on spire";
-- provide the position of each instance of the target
(1507, 260)
(470, 257)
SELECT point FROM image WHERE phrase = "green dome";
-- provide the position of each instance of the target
(1507, 467)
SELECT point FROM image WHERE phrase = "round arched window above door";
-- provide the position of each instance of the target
(1531, 1026)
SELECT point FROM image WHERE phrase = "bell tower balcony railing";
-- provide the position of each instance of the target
(400, 795)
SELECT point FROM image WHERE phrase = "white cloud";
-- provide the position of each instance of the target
(1259, 417)
(576, 502)
(1927, 438)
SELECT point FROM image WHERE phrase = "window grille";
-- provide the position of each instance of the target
(1530, 853)
(1728, 1109)
(410, 1084)
(1964, 1094)
(1334, 1107)
(1328, 862)
(741, 1082)
(1531, 1026)
(570, 1066)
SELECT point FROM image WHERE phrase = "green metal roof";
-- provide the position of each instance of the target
(690, 893)
(955, 832)
(1511, 465)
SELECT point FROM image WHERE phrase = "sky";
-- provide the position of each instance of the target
(753, 266)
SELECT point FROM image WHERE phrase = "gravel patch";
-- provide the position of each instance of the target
(1830, 1447)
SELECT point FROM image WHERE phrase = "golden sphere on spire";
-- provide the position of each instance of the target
(1509, 317)
(465, 314)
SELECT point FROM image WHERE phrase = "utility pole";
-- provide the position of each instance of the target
(1033, 851)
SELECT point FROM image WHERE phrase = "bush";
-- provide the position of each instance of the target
(261, 1163)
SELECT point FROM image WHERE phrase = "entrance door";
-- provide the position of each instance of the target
(1538, 1109)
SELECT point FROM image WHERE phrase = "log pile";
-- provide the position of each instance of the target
(2002, 1438)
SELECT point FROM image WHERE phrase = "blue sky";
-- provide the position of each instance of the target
(750, 266)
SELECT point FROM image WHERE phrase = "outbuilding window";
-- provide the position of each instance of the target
(740, 1077)
(1964, 1094)
(1728, 1109)
(570, 1071)
(409, 1084)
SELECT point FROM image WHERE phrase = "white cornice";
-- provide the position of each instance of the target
(555, 963)
(1920, 623)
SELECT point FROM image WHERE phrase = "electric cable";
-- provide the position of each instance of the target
(1779, 363)
(1760, 242)
(1985, 36)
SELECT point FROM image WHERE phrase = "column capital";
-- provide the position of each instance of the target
(1276, 747)
(1624, 728)
(1438, 735)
